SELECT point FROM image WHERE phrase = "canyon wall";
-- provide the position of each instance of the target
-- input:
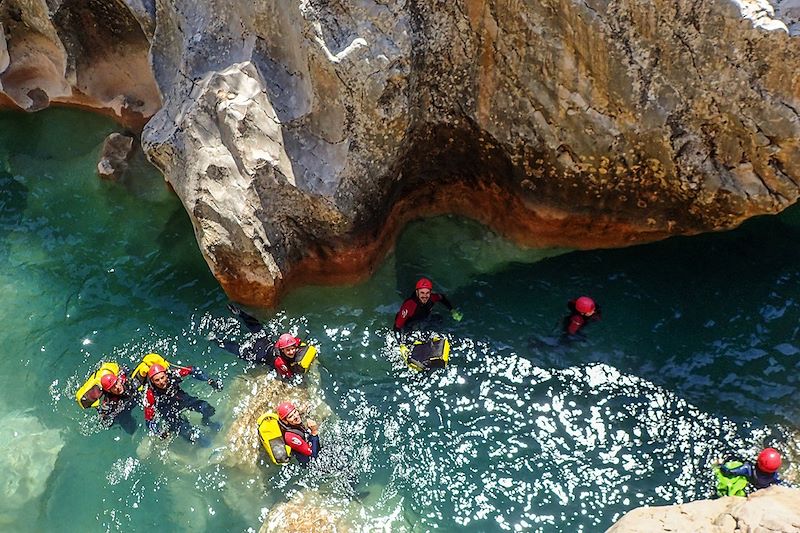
(301, 136)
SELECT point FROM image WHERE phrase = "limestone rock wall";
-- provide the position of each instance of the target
(92, 53)
(301, 135)
(772, 509)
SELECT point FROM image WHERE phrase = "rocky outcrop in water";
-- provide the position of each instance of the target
(774, 509)
(262, 394)
(30, 452)
(300, 136)
(117, 149)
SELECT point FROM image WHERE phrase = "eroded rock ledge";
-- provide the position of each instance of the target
(90, 53)
(300, 136)
(776, 509)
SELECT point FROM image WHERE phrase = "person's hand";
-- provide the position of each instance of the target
(215, 383)
(457, 315)
(312, 427)
(717, 461)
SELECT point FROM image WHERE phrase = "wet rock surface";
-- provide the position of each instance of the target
(772, 509)
(117, 149)
(257, 395)
(301, 137)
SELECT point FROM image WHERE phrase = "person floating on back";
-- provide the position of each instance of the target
(120, 395)
(581, 311)
(418, 306)
(109, 390)
(165, 397)
(289, 355)
(760, 476)
(301, 437)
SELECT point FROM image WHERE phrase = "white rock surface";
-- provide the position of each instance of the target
(775, 509)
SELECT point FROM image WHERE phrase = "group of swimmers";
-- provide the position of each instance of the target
(284, 433)
(156, 383)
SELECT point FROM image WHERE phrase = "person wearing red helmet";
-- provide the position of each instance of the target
(301, 437)
(286, 363)
(259, 349)
(582, 310)
(165, 400)
(119, 397)
(763, 474)
(418, 306)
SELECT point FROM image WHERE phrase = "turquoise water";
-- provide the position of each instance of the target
(696, 354)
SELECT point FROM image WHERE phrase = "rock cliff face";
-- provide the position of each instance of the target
(300, 136)
(92, 53)
(776, 509)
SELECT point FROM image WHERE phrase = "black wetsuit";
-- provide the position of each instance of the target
(117, 408)
(413, 310)
(259, 348)
(170, 402)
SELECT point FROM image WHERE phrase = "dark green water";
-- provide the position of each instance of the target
(697, 354)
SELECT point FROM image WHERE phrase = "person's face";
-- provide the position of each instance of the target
(294, 418)
(117, 388)
(289, 351)
(424, 295)
(160, 380)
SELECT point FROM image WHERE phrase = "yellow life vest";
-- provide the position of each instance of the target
(305, 355)
(434, 353)
(140, 373)
(271, 436)
(89, 393)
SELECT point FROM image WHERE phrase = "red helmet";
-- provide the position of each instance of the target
(424, 283)
(769, 460)
(108, 381)
(286, 340)
(584, 305)
(285, 409)
(155, 369)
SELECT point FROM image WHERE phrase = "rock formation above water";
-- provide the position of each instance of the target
(301, 135)
(774, 509)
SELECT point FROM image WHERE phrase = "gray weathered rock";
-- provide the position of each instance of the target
(4, 59)
(300, 136)
(775, 509)
(569, 123)
(258, 395)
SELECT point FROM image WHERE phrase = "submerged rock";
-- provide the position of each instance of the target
(791, 461)
(117, 149)
(772, 509)
(310, 511)
(261, 394)
(29, 456)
